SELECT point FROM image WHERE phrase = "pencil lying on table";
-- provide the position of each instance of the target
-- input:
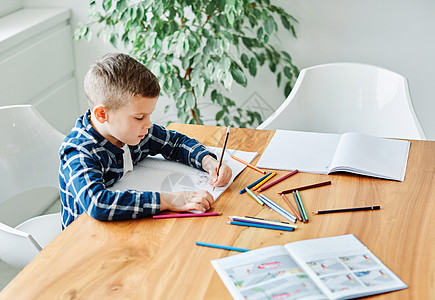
(330, 211)
(254, 196)
(291, 207)
(277, 181)
(221, 247)
(306, 187)
(254, 220)
(187, 215)
(265, 226)
(304, 212)
(277, 208)
(254, 183)
(249, 165)
(264, 181)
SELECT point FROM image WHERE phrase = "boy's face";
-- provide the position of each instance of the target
(130, 123)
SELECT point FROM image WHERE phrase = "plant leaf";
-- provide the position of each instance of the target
(239, 77)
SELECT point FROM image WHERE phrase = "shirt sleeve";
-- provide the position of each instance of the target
(173, 146)
(84, 190)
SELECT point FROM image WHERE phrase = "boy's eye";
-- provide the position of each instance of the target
(139, 118)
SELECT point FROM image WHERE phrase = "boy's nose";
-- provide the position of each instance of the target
(147, 125)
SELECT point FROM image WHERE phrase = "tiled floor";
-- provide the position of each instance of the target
(7, 272)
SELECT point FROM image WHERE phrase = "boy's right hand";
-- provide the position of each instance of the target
(186, 201)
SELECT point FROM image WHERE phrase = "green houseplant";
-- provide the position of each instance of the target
(195, 47)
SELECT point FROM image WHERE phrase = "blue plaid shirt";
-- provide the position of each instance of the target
(89, 164)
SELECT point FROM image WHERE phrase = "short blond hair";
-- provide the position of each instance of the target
(115, 78)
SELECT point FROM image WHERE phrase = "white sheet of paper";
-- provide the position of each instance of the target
(157, 174)
(306, 151)
(324, 153)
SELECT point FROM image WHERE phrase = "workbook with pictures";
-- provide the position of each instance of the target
(339, 267)
(325, 153)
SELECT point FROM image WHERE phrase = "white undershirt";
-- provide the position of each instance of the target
(128, 163)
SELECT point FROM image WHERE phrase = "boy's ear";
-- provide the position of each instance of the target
(100, 113)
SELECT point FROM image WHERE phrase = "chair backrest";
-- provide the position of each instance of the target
(29, 163)
(344, 97)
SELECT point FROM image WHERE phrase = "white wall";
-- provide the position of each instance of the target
(8, 6)
(394, 34)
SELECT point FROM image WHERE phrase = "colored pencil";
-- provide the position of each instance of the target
(221, 247)
(299, 206)
(330, 211)
(249, 165)
(254, 183)
(261, 226)
(260, 221)
(291, 207)
(254, 197)
(277, 208)
(222, 154)
(302, 206)
(277, 181)
(187, 215)
(264, 181)
(306, 187)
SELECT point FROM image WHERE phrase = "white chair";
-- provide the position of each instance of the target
(28, 165)
(343, 97)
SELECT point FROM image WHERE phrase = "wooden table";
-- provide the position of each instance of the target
(158, 259)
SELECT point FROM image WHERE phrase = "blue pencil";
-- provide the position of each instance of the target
(254, 183)
(277, 208)
(261, 226)
(221, 247)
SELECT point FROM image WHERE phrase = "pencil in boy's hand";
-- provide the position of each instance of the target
(222, 154)
(248, 164)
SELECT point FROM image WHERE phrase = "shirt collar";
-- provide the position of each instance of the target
(99, 138)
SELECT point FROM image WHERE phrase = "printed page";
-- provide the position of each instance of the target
(155, 173)
(371, 156)
(342, 267)
(306, 151)
(266, 273)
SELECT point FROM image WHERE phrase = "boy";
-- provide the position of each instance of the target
(115, 133)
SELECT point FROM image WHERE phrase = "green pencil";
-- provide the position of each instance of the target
(302, 206)
(253, 196)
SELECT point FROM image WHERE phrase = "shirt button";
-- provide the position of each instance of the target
(119, 161)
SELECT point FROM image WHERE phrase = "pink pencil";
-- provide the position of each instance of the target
(276, 181)
(187, 215)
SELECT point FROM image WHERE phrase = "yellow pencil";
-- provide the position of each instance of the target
(264, 181)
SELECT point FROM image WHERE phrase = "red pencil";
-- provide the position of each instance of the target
(277, 181)
(187, 215)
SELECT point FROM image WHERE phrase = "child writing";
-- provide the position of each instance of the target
(116, 133)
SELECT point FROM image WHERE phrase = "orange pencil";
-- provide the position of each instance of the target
(248, 164)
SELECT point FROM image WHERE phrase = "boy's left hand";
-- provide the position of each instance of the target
(210, 164)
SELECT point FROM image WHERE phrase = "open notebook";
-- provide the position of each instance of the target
(155, 173)
(324, 153)
(339, 267)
